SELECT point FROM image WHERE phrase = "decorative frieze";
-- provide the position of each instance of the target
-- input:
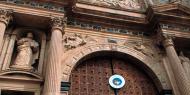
(98, 27)
(160, 1)
(122, 4)
(73, 41)
(175, 27)
(35, 4)
(5, 15)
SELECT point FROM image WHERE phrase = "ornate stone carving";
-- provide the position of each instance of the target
(175, 27)
(74, 41)
(59, 23)
(167, 39)
(125, 4)
(5, 15)
(185, 63)
(144, 49)
(98, 27)
(129, 4)
(36, 4)
(27, 53)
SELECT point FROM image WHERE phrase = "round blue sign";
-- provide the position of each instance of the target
(116, 81)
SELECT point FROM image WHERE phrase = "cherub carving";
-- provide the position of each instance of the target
(141, 47)
(74, 41)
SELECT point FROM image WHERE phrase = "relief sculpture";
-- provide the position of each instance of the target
(124, 4)
(27, 49)
(142, 48)
(74, 41)
(129, 4)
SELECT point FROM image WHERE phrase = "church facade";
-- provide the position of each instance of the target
(76, 47)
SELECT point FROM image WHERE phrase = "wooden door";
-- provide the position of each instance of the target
(91, 78)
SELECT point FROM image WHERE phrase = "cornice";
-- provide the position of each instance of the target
(109, 13)
(30, 11)
(168, 10)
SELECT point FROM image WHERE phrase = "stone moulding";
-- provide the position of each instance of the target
(21, 75)
(35, 4)
(98, 27)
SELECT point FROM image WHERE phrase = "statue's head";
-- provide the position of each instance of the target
(29, 35)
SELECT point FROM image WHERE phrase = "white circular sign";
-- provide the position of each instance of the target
(116, 81)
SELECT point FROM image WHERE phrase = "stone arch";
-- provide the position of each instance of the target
(70, 62)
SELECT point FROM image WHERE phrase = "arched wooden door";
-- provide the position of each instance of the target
(91, 78)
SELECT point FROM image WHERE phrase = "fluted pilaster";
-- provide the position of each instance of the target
(179, 73)
(53, 72)
(5, 17)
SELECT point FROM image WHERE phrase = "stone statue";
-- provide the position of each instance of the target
(185, 63)
(26, 56)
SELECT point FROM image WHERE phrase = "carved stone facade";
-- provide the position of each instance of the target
(124, 4)
(54, 47)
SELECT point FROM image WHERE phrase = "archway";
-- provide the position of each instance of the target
(90, 75)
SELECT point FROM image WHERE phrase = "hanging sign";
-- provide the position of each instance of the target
(116, 81)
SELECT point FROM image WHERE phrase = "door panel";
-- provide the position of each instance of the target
(91, 78)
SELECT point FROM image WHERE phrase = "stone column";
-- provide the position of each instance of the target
(52, 84)
(9, 52)
(179, 73)
(5, 17)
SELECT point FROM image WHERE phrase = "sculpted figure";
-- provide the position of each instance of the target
(27, 47)
(140, 47)
(185, 63)
(74, 41)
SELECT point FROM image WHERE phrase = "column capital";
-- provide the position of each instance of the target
(167, 39)
(5, 15)
(59, 23)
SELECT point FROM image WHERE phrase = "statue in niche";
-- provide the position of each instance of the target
(27, 53)
(74, 41)
(185, 63)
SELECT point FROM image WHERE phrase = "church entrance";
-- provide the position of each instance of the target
(91, 76)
